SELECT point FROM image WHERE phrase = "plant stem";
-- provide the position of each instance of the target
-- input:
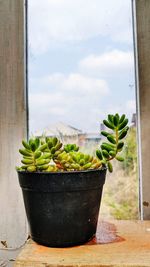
(117, 136)
(117, 139)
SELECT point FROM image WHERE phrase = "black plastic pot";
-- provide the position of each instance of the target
(62, 208)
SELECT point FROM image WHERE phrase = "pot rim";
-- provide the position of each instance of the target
(64, 172)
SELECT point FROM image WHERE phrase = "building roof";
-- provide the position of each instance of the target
(58, 129)
(134, 118)
(93, 136)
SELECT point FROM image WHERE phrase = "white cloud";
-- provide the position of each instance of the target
(73, 83)
(81, 85)
(39, 100)
(72, 97)
(77, 98)
(53, 22)
(108, 63)
(131, 106)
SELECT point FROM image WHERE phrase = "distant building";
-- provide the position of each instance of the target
(69, 134)
(92, 138)
(66, 133)
(134, 120)
(102, 127)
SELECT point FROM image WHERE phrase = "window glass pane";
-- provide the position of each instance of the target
(81, 68)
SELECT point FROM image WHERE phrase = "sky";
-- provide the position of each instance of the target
(81, 62)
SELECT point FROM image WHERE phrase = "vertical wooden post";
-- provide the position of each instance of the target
(142, 40)
(13, 122)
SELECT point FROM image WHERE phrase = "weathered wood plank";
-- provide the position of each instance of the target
(118, 244)
(13, 228)
(142, 38)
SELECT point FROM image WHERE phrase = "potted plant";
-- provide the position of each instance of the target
(62, 186)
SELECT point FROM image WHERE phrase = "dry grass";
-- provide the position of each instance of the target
(120, 196)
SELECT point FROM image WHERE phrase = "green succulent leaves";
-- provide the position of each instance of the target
(33, 153)
(71, 147)
(76, 160)
(118, 130)
(37, 154)
(108, 124)
(48, 154)
(54, 145)
(110, 167)
(111, 139)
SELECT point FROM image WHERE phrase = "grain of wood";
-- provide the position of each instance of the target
(142, 12)
(118, 244)
(13, 229)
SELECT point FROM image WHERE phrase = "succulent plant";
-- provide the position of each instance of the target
(35, 157)
(71, 147)
(53, 146)
(75, 160)
(110, 150)
(50, 155)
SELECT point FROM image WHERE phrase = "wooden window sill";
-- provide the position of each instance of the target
(117, 244)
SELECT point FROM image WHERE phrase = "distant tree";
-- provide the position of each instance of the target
(130, 152)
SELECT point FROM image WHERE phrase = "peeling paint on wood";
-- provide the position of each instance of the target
(4, 243)
(3, 263)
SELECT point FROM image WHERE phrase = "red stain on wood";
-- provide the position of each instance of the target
(106, 233)
(105, 249)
